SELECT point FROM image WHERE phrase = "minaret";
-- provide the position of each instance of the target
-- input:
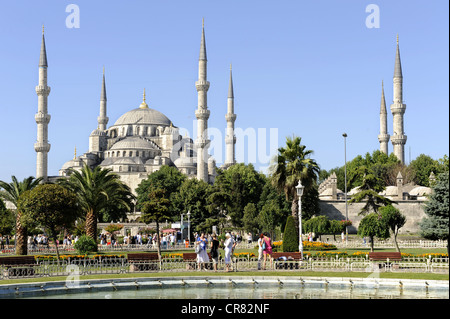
(202, 113)
(230, 138)
(97, 139)
(103, 119)
(398, 138)
(383, 138)
(42, 147)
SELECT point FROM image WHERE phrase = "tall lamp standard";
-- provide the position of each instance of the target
(345, 186)
(300, 189)
(189, 226)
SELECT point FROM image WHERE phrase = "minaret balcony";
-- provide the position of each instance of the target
(202, 143)
(398, 139)
(41, 147)
(230, 117)
(383, 138)
(230, 139)
(202, 85)
(42, 90)
(103, 120)
(398, 108)
(42, 118)
(202, 114)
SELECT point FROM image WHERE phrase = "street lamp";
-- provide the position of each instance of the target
(345, 186)
(189, 226)
(182, 229)
(300, 189)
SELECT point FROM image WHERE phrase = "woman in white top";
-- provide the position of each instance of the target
(229, 246)
(202, 256)
(260, 250)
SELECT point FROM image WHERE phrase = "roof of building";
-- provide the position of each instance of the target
(143, 116)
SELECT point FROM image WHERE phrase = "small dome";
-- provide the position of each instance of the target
(420, 191)
(353, 191)
(186, 162)
(143, 116)
(329, 192)
(133, 143)
(98, 132)
(76, 162)
(390, 191)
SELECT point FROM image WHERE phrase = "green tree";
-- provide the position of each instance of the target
(294, 163)
(167, 178)
(50, 206)
(436, 224)
(244, 185)
(372, 225)
(250, 219)
(12, 192)
(423, 165)
(156, 209)
(336, 227)
(94, 189)
(193, 196)
(290, 236)
(368, 193)
(6, 220)
(394, 220)
(269, 217)
(319, 225)
(218, 203)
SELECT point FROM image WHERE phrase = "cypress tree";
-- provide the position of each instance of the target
(290, 239)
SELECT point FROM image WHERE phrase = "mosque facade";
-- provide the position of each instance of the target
(143, 139)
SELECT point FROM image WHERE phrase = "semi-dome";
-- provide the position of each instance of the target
(143, 116)
(133, 143)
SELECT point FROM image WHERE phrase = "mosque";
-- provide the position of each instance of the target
(143, 139)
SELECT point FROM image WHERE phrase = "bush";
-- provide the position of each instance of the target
(85, 245)
(290, 239)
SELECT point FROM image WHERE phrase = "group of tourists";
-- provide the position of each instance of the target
(202, 244)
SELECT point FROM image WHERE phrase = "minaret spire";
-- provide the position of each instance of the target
(230, 138)
(383, 138)
(42, 147)
(103, 118)
(398, 109)
(202, 112)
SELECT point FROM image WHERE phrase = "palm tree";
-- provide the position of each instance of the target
(95, 189)
(12, 192)
(293, 163)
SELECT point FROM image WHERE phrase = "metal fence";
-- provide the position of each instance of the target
(351, 244)
(120, 265)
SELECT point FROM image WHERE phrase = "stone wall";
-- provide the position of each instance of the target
(412, 209)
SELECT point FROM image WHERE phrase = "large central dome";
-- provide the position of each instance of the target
(146, 116)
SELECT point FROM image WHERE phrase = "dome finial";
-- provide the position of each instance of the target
(75, 153)
(143, 105)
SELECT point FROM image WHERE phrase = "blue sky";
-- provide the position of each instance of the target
(309, 68)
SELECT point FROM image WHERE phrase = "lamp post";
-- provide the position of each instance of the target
(300, 189)
(182, 228)
(189, 226)
(345, 186)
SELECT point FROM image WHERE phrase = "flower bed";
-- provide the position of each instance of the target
(317, 245)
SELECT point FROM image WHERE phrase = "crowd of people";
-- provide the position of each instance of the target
(203, 242)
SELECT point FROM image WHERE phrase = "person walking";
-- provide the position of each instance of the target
(215, 251)
(229, 247)
(267, 250)
(260, 250)
(202, 255)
